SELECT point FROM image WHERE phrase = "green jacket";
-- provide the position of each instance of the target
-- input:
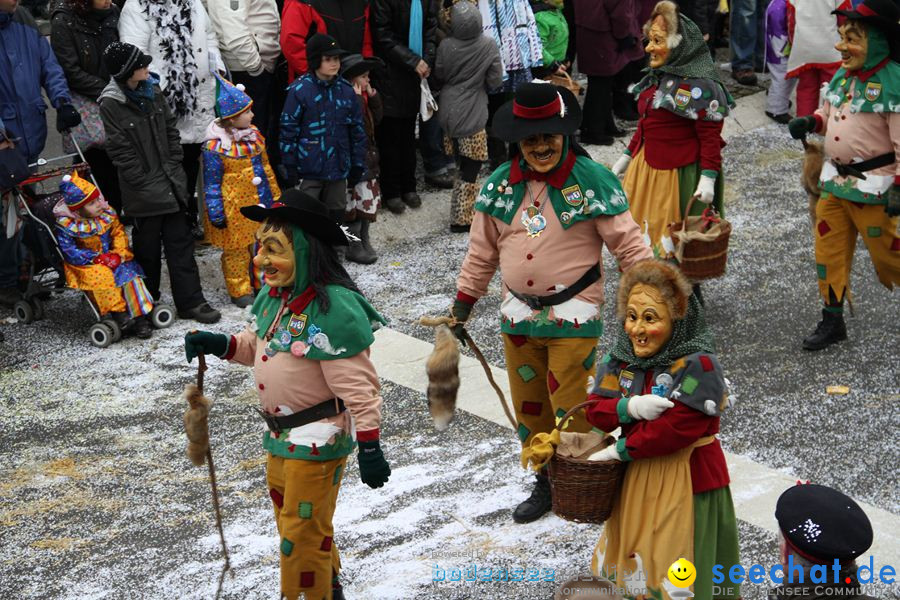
(554, 32)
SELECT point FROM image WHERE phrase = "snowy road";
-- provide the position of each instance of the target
(98, 501)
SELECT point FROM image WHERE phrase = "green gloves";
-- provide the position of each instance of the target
(460, 311)
(892, 208)
(374, 470)
(800, 126)
(205, 342)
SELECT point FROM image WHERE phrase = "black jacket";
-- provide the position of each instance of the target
(78, 43)
(398, 82)
(146, 148)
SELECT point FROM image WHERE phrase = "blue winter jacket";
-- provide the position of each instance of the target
(27, 64)
(322, 132)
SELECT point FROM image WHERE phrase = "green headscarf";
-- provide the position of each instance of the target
(689, 59)
(878, 48)
(689, 336)
(346, 330)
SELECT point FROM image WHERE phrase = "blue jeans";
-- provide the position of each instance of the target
(748, 34)
(431, 145)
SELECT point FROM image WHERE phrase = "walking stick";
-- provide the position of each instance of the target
(198, 450)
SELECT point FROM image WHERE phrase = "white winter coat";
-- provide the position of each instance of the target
(135, 27)
(248, 32)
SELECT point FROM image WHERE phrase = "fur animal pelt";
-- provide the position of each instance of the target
(813, 157)
(195, 424)
(443, 377)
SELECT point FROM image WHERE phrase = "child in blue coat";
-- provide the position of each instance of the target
(323, 142)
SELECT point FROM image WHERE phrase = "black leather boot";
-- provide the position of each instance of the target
(357, 251)
(830, 330)
(537, 504)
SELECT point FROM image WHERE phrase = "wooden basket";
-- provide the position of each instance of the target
(701, 259)
(567, 82)
(584, 491)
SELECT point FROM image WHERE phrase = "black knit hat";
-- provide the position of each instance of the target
(123, 59)
(537, 108)
(821, 524)
(320, 45)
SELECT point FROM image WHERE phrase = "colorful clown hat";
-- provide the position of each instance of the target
(231, 100)
(77, 191)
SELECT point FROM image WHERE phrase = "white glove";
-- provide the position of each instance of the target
(621, 164)
(648, 406)
(706, 189)
(608, 453)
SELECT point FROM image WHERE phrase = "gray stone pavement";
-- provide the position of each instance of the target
(98, 501)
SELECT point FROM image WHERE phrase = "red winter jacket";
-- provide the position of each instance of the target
(345, 20)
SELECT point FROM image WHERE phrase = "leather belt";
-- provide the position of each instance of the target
(858, 168)
(540, 302)
(329, 408)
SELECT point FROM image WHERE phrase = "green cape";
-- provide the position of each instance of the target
(345, 331)
(880, 92)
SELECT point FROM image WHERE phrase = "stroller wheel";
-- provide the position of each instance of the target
(38, 306)
(23, 311)
(114, 328)
(162, 316)
(101, 335)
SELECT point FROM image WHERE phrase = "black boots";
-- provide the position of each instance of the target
(537, 504)
(361, 252)
(830, 330)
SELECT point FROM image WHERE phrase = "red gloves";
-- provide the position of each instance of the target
(109, 259)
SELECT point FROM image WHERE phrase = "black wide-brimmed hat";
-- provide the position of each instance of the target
(302, 210)
(883, 14)
(537, 108)
(822, 524)
(355, 64)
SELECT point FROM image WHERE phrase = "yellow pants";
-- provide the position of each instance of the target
(241, 276)
(837, 223)
(304, 494)
(547, 377)
(133, 296)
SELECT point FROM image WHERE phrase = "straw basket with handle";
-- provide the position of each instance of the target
(701, 243)
(584, 490)
(564, 80)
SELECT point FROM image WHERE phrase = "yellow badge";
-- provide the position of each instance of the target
(297, 324)
(873, 90)
(573, 195)
(682, 98)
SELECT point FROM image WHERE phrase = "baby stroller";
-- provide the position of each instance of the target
(45, 268)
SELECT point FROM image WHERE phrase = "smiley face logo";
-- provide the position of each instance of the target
(682, 573)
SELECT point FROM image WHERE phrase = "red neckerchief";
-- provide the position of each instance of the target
(555, 178)
(864, 75)
(299, 303)
(296, 305)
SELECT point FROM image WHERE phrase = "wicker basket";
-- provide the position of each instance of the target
(584, 490)
(566, 81)
(701, 258)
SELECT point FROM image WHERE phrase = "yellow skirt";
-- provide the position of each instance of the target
(652, 523)
(654, 200)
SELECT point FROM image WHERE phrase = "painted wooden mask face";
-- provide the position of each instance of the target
(542, 152)
(648, 321)
(275, 256)
(853, 46)
(657, 46)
